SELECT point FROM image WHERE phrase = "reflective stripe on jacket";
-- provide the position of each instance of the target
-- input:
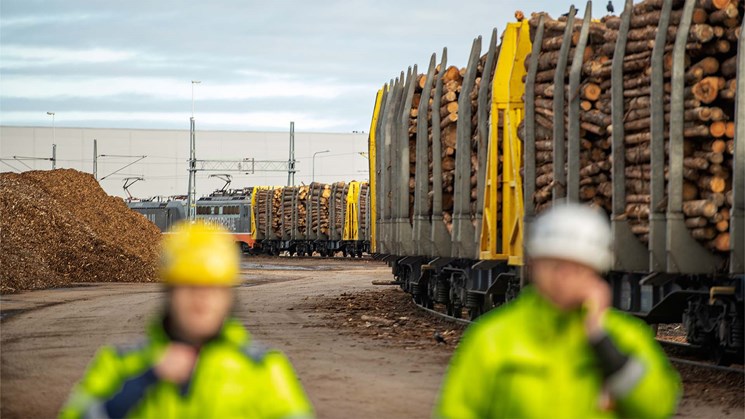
(529, 359)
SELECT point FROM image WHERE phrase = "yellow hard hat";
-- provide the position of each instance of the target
(199, 254)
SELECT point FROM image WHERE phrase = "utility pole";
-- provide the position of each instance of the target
(54, 142)
(291, 161)
(95, 159)
(192, 195)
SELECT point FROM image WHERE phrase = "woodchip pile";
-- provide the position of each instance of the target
(59, 227)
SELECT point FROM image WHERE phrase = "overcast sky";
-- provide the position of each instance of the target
(129, 64)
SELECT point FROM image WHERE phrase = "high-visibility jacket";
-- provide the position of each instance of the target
(530, 359)
(233, 377)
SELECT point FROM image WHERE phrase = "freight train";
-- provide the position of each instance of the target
(613, 113)
(299, 220)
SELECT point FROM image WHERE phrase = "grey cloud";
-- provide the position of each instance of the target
(355, 43)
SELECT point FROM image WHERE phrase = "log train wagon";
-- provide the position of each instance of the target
(647, 124)
(318, 218)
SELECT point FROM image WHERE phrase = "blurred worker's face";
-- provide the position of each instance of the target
(567, 284)
(198, 312)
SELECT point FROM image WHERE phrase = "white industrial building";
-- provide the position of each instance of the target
(164, 168)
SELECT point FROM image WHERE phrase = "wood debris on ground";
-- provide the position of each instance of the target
(388, 315)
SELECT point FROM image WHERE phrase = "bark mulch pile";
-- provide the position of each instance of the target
(59, 227)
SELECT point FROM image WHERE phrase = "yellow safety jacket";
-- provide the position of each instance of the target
(530, 359)
(232, 378)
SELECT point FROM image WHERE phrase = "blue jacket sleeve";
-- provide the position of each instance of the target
(131, 392)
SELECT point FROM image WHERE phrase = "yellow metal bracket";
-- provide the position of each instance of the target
(351, 220)
(372, 160)
(502, 228)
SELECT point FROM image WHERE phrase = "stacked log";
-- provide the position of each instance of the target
(413, 114)
(430, 165)
(302, 209)
(288, 205)
(452, 81)
(340, 202)
(637, 100)
(262, 196)
(709, 116)
(594, 92)
(709, 113)
(364, 205)
(320, 194)
(475, 136)
(276, 206)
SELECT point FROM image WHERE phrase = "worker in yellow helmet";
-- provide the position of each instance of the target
(559, 350)
(197, 361)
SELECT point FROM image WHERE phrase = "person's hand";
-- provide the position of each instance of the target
(177, 363)
(597, 300)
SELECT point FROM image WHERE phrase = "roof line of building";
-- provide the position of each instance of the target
(181, 130)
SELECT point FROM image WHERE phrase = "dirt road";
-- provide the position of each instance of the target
(48, 337)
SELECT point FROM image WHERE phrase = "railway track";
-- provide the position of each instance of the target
(687, 354)
(335, 258)
(668, 346)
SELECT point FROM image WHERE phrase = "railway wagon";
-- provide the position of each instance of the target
(318, 218)
(462, 160)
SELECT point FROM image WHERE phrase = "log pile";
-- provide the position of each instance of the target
(709, 122)
(320, 194)
(284, 201)
(476, 139)
(276, 206)
(364, 197)
(302, 209)
(412, 129)
(289, 197)
(710, 67)
(452, 81)
(339, 201)
(594, 91)
(262, 196)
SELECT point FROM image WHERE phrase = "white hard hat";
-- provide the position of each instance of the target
(572, 232)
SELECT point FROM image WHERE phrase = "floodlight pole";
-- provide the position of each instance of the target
(291, 161)
(313, 176)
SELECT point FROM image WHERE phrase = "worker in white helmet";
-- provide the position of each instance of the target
(560, 350)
